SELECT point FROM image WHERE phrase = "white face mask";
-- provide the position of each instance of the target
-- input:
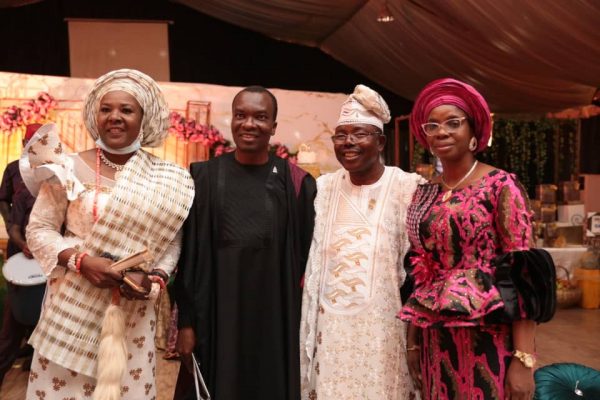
(132, 148)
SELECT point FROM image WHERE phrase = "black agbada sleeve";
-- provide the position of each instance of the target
(306, 216)
(193, 283)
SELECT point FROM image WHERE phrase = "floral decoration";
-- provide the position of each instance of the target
(281, 150)
(189, 130)
(32, 111)
(426, 268)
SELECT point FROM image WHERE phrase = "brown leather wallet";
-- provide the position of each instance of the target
(135, 270)
(135, 280)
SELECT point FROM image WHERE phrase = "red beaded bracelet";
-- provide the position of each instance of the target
(78, 262)
(158, 279)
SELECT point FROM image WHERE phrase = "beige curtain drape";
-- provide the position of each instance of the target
(525, 56)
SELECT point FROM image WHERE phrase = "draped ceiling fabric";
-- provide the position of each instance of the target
(16, 3)
(530, 57)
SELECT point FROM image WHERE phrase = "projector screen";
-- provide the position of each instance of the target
(99, 46)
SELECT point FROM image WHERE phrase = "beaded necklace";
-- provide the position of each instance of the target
(107, 162)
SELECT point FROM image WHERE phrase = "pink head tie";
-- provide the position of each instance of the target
(450, 91)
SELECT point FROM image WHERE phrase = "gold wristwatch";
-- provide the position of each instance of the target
(528, 360)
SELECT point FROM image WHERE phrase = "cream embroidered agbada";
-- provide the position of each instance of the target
(352, 345)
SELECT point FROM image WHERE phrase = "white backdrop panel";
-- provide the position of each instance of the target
(96, 47)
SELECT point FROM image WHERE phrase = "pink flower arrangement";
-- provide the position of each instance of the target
(281, 150)
(222, 149)
(190, 131)
(32, 111)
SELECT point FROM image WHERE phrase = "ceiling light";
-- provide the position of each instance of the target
(384, 14)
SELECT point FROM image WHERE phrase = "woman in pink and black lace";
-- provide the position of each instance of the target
(458, 224)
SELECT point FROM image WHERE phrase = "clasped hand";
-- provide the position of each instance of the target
(97, 270)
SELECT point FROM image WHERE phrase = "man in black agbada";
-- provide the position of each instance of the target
(245, 245)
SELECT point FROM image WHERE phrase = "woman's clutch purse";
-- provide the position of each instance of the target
(135, 280)
(135, 269)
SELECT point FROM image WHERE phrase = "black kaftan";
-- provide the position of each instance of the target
(239, 284)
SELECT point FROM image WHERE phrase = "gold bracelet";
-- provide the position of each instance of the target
(528, 360)
(413, 347)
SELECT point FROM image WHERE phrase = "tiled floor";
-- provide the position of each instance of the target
(572, 336)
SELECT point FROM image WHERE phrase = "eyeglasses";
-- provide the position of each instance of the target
(450, 126)
(357, 137)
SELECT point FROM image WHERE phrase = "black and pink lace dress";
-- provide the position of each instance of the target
(463, 356)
